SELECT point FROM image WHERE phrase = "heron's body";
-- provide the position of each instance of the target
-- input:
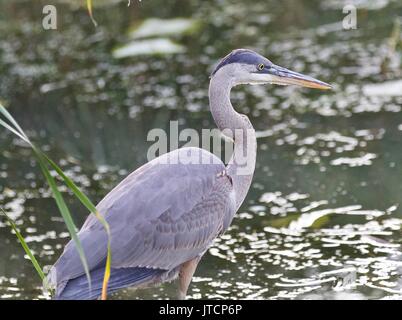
(165, 215)
(154, 231)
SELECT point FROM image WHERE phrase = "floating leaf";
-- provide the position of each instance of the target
(158, 46)
(164, 27)
(282, 222)
(391, 88)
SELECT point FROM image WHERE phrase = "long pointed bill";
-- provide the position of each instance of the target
(283, 76)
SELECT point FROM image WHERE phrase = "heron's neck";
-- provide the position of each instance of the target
(238, 127)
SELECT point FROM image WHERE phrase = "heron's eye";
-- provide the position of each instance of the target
(260, 66)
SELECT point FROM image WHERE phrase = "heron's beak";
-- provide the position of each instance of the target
(283, 76)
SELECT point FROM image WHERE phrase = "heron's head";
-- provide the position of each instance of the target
(245, 66)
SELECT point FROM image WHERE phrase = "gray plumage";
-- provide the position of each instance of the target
(165, 215)
(160, 216)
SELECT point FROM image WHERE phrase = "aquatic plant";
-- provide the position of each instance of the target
(46, 164)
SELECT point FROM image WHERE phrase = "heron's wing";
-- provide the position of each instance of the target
(163, 214)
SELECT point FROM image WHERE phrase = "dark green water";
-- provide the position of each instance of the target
(323, 217)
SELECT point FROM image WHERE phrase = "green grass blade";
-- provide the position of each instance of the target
(7, 126)
(106, 276)
(11, 119)
(89, 7)
(25, 246)
(91, 207)
(73, 187)
(65, 212)
(43, 160)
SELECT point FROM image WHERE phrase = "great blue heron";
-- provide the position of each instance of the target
(165, 215)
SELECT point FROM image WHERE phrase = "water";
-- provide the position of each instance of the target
(323, 217)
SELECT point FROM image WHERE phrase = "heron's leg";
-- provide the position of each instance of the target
(185, 275)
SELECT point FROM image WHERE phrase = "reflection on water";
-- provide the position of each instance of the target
(322, 219)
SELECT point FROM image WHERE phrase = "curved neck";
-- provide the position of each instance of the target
(238, 127)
